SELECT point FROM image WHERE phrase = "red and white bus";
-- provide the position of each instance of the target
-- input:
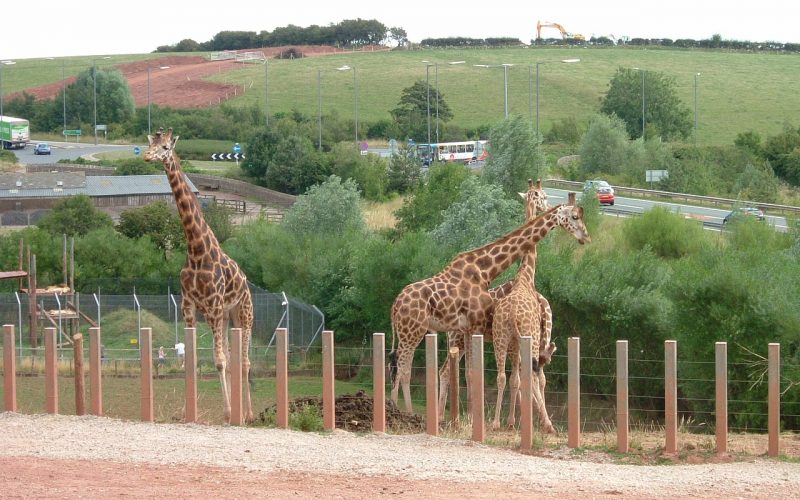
(462, 151)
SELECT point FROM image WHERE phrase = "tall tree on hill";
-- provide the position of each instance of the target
(665, 115)
(411, 113)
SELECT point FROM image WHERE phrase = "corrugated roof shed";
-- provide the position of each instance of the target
(42, 180)
(123, 185)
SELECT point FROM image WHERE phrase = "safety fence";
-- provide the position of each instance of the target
(364, 368)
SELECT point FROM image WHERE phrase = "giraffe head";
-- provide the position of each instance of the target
(161, 145)
(570, 218)
(535, 199)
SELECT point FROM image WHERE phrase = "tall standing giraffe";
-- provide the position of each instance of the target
(535, 203)
(518, 314)
(458, 297)
(211, 281)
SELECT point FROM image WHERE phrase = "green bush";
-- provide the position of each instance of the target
(666, 233)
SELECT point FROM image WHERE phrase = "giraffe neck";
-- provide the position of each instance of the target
(494, 258)
(198, 234)
(527, 269)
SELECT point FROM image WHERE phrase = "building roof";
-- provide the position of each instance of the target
(62, 184)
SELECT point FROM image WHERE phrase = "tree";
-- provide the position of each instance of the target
(404, 171)
(604, 147)
(514, 155)
(399, 35)
(115, 102)
(74, 216)
(333, 207)
(423, 211)
(665, 115)
(411, 113)
(157, 221)
(481, 214)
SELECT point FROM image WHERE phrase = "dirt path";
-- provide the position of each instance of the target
(71, 457)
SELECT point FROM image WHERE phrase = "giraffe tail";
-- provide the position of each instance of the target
(393, 360)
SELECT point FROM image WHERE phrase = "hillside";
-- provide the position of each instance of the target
(736, 91)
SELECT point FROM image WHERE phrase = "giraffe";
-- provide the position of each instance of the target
(535, 202)
(517, 314)
(210, 280)
(458, 297)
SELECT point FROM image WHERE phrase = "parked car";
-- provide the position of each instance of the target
(754, 212)
(605, 193)
(42, 149)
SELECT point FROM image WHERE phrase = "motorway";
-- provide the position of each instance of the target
(624, 207)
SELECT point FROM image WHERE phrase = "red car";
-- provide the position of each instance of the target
(605, 193)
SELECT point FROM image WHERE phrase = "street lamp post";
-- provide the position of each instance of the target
(695, 107)
(505, 67)
(428, 100)
(565, 61)
(94, 94)
(3, 63)
(266, 92)
(319, 107)
(355, 94)
(148, 95)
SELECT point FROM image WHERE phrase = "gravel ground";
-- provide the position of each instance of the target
(72, 457)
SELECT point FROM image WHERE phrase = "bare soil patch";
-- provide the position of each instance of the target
(182, 84)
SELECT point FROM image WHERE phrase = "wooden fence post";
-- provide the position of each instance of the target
(431, 384)
(774, 405)
(96, 370)
(146, 354)
(476, 386)
(236, 376)
(190, 367)
(623, 421)
(50, 371)
(671, 395)
(526, 403)
(328, 390)
(455, 400)
(9, 369)
(379, 382)
(721, 406)
(80, 406)
(282, 378)
(574, 392)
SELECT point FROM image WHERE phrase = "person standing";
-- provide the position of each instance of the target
(162, 357)
(180, 351)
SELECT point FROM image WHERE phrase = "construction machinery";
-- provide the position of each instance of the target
(564, 33)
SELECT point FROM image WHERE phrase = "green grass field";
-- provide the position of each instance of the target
(736, 91)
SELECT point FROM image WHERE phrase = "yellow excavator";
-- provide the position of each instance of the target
(564, 33)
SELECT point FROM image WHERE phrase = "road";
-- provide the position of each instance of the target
(66, 151)
(711, 217)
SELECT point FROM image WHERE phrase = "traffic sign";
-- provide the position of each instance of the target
(237, 148)
(136, 150)
(72, 132)
(227, 156)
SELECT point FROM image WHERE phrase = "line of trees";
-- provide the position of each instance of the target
(347, 33)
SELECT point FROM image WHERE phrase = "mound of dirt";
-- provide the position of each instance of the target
(354, 413)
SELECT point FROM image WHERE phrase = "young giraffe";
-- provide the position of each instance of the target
(518, 314)
(210, 280)
(535, 202)
(458, 297)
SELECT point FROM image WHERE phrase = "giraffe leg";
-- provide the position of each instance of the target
(214, 319)
(188, 311)
(444, 384)
(500, 354)
(515, 382)
(243, 318)
(537, 385)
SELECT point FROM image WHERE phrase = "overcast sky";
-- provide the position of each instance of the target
(55, 28)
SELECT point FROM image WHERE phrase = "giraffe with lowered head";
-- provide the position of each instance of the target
(458, 297)
(211, 282)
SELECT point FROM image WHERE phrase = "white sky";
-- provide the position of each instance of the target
(56, 28)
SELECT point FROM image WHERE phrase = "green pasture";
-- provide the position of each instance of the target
(736, 91)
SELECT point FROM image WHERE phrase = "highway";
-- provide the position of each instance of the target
(65, 151)
(626, 207)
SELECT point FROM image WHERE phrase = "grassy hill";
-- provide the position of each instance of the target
(736, 91)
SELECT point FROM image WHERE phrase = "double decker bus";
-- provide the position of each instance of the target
(465, 151)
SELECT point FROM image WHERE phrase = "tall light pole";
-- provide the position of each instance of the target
(355, 93)
(94, 94)
(640, 70)
(319, 106)
(505, 67)
(428, 100)
(3, 63)
(148, 95)
(565, 61)
(695, 107)
(266, 92)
